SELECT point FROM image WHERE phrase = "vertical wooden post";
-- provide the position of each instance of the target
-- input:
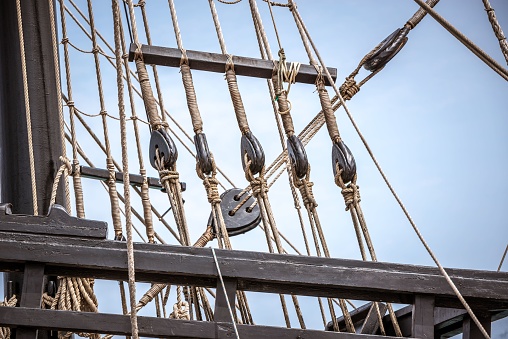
(31, 296)
(423, 317)
(221, 313)
(469, 328)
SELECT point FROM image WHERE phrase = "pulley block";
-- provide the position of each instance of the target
(243, 219)
(161, 142)
(297, 156)
(203, 155)
(251, 146)
(342, 156)
(387, 49)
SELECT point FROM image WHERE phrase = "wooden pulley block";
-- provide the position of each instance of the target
(161, 142)
(342, 156)
(251, 146)
(388, 48)
(297, 156)
(243, 219)
(203, 155)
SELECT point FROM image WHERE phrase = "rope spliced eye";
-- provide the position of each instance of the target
(162, 148)
(203, 155)
(342, 156)
(244, 218)
(251, 146)
(297, 155)
(387, 49)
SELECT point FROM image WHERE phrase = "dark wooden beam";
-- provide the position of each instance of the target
(31, 296)
(469, 328)
(221, 312)
(254, 271)
(135, 179)
(57, 223)
(213, 62)
(423, 317)
(154, 327)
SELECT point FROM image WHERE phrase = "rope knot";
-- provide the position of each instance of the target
(180, 311)
(351, 194)
(70, 103)
(184, 60)
(229, 63)
(259, 187)
(349, 88)
(68, 166)
(138, 54)
(65, 41)
(168, 176)
(305, 188)
(212, 192)
(141, 3)
(95, 50)
(103, 112)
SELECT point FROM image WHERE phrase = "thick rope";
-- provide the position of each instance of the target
(498, 31)
(487, 59)
(27, 108)
(5, 332)
(125, 169)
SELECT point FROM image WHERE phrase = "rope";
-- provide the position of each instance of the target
(5, 332)
(27, 108)
(125, 168)
(497, 29)
(503, 72)
(415, 228)
(502, 259)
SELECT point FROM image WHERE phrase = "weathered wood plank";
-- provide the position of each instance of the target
(31, 295)
(256, 271)
(221, 312)
(213, 62)
(423, 317)
(134, 179)
(57, 223)
(153, 327)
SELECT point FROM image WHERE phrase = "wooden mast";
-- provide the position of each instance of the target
(15, 173)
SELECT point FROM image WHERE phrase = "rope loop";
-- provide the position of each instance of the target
(171, 177)
(349, 88)
(180, 311)
(212, 192)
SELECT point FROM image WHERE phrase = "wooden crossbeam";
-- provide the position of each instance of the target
(254, 271)
(154, 327)
(213, 62)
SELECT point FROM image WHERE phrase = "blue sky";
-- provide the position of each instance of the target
(435, 118)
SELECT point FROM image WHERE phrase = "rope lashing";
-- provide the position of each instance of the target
(5, 332)
(349, 88)
(498, 31)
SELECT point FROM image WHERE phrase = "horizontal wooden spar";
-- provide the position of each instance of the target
(254, 271)
(154, 327)
(214, 62)
(134, 179)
